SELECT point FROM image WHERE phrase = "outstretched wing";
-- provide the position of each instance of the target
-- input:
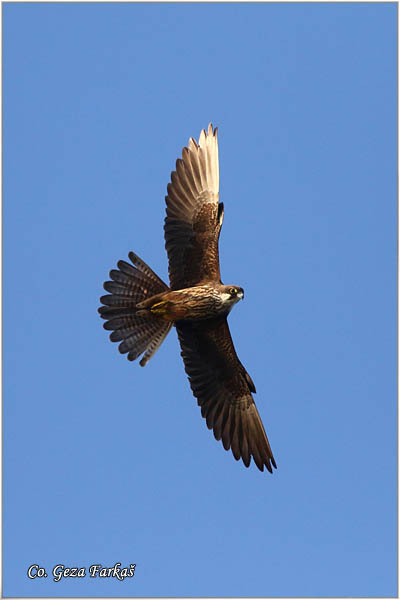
(194, 217)
(223, 389)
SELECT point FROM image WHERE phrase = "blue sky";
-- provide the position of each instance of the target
(105, 462)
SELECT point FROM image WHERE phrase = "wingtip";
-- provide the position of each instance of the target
(193, 145)
(206, 133)
(212, 131)
(266, 464)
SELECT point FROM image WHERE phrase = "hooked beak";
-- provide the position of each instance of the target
(240, 295)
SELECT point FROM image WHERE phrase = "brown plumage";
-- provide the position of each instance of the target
(140, 308)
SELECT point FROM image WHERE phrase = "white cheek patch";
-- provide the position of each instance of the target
(225, 297)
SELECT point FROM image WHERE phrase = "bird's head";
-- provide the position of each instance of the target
(236, 293)
(231, 294)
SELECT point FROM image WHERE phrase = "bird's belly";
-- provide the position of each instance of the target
(185, 305)
(169, 311)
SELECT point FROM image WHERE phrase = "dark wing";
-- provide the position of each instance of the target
(223, 389)
(194, 217)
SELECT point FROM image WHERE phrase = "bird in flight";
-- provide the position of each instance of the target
(140, 308)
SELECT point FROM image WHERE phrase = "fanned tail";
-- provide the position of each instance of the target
(131, 285)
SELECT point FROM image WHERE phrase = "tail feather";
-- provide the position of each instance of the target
(141, 265)
(111, 312)
(118, 289)
(130, 286)
(155, 343)
(138, 336)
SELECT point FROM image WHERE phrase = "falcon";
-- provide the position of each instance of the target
(140, 308)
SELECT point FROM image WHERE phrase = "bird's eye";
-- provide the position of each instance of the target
(233, 291)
